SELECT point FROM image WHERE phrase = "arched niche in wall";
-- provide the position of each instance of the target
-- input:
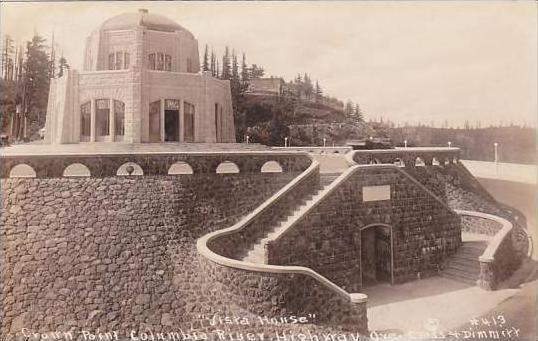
(76, 170)
(435, 162)
(179, 168)
(271, 167)
(227, 167)
(130, 168)
(399, 162)
(419, 162)
(22, 170)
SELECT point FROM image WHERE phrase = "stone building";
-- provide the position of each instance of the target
(141, 82)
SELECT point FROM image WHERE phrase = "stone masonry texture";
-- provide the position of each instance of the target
(114, 252)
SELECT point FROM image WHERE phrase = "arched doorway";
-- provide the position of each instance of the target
(376, 254)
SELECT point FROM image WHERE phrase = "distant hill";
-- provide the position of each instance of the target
(515, 144)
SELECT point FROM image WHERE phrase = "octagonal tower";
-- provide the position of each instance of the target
(141, 82)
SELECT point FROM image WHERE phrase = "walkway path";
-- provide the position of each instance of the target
(411, 307)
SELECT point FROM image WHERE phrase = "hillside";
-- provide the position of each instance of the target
(268, 119)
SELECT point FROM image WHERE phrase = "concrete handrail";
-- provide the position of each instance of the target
(205, 251)
(343, 177)
(488, 255)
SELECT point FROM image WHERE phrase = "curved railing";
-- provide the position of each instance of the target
(271, 289)
(499, 259)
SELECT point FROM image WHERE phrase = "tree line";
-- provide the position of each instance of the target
(26, 71)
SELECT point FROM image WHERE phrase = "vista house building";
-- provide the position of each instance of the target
(141, 82)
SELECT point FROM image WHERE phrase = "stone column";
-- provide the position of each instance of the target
(357, 319)
(162, 119)
(486, 280)
(92, 121)
(111, 119)
(181, 120)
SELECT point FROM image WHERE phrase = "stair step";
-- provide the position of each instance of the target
(460, 273)
(472, 272)
(471, 264)
(459, 279)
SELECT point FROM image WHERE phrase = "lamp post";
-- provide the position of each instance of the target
(495, 145)
(285, 141)
(405, 143)
(248, 138)
(449, 144)
(324, 141)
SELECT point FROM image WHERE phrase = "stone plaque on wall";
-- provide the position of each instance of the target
(376, 193)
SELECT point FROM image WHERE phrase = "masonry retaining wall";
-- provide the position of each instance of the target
(96, 252)
(328, 237)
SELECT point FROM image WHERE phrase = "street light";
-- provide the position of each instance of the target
(405, 143)
(324, 141)
(285, 141)
(449, 144)
(248, 138)
(495, 145)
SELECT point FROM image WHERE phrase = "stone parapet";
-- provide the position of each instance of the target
(500, 258)
(154, 163)
(408, 156)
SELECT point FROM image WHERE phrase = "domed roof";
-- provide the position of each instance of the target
(142, 18)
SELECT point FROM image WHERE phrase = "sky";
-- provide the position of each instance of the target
(407, 61)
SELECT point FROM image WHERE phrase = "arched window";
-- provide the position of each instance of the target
(271, 167)
(159, 61)
(227, 167)
(102, 117)
(130, 168)
(180, 168)
(22, 171)
(118, 60)
(76, 169)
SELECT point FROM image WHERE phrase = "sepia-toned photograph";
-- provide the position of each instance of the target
(268, 170)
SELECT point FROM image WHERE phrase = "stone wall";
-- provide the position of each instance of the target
(480, 225)
(113, 252)
(286, 294)
(327, 238)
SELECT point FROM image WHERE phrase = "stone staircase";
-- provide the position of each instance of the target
(464, 266)
(256, 254)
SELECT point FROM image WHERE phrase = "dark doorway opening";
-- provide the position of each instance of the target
(376, 255)
(171, 125)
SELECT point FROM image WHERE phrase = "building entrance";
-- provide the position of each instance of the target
(376, 255)
(171, 125)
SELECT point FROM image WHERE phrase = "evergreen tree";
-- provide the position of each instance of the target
(256, 72)
(244, 73)
(318, 92)
(348, 109)
(62, 65)
(7, 59)
(308, 87)
(205, 64)
(357, 114)
(214, 72)
(226, 67)
(36, 80)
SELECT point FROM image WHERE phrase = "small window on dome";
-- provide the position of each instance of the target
(119, 60)
(151, 59)
(160, 61)
(167, 62)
